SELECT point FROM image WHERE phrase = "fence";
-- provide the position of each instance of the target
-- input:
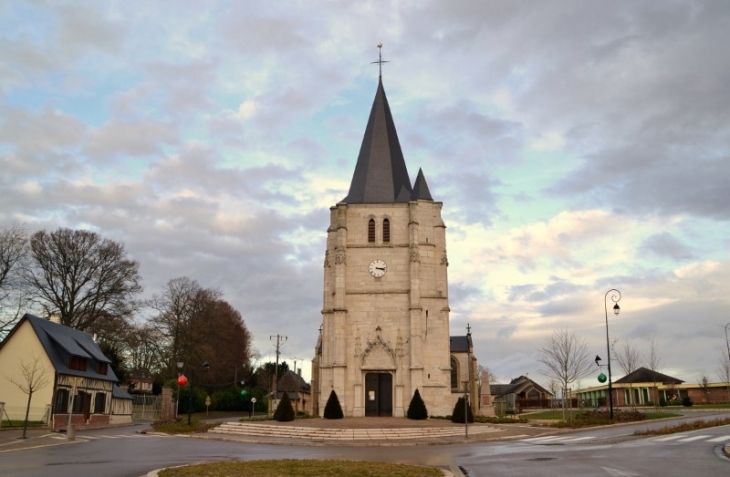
(146, 407)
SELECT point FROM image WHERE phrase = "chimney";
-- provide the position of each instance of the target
(55, 318)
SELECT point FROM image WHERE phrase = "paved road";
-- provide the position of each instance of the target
(597, 452)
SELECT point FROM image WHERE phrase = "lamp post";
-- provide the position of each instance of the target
(614, 298)
(727, 342)
(206, 366)
(180, 363)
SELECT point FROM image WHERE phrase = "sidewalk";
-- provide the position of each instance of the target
(11, 439)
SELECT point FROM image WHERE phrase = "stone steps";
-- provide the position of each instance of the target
(319, 434)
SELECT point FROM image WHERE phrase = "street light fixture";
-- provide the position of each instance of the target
(206, 366)
(180, 365)
(614, 298)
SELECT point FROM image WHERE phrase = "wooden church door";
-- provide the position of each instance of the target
(378, 394)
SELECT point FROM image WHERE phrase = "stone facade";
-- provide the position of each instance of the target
(396, 324)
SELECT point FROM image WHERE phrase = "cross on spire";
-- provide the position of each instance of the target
(468, 329)
(380, 61)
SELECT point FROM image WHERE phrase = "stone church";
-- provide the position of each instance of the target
(385, 314)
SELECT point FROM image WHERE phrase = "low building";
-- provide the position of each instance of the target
(79, 381)
(645, 387)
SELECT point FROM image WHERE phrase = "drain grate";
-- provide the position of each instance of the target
(540, 459)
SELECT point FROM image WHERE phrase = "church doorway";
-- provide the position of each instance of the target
(378, 394)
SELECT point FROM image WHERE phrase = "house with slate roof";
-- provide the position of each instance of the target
(79, 375)
(298, 390)
(519, 394)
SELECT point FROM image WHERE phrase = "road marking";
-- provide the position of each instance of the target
(720, 439)
(670, 438)
(543, 439)
(619, 473)
(580, 439)
(695, 438)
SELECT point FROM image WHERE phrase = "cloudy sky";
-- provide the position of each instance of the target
(577, 146)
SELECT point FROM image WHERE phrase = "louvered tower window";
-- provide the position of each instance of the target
(371, 230)
(386, 230)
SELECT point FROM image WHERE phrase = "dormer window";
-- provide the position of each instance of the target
(102, 368)
(77, 363)
(371, 231)
(386, 230)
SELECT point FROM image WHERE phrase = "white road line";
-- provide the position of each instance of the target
(543, 439)
(670, 438)
(580, 439)
(720, 439)
(695, 438)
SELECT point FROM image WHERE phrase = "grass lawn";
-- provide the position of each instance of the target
(301, 468)
(684, 427)
(21, 423)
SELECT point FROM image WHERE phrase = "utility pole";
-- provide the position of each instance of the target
(279, 343)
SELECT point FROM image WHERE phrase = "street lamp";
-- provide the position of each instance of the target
(206, 366)
(180, 364)
(614, 298)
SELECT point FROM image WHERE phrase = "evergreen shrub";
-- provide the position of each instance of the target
(458, 414)
(333, 410)
(284, 411)
(417, 408)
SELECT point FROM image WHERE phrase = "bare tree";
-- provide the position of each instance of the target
(181, 302)
(653, 360)
(88, 281)
(723, 371)
(628, 358)
(704, 382)
(13, 296)
(32, 377)
(565, 358)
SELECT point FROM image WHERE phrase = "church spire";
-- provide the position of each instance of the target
(420, 188)
(380, 174)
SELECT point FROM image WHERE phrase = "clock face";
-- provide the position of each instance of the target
(378, 268)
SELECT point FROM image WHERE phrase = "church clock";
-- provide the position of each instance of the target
(378, 268)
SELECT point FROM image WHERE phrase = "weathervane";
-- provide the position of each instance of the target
(380, 61)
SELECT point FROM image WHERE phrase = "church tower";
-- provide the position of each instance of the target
(385, 314)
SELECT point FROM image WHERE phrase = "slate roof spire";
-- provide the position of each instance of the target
(380, 175)
(420, 188)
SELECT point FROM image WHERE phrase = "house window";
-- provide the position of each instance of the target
(60, 406)
(100, 403)
(386, 230)
(102, 368)
(79, 364)
(79, 402)
(371, 231)
(454, 373)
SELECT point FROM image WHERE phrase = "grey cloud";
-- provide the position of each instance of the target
(30, 132)
(138, 138)
(666, 245)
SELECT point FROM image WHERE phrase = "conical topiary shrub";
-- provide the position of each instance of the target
(284, 411)
(333, 410)
(458, 414)
(417, 408)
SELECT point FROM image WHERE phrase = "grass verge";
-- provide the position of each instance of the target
(20, 423)
(684, 427)
(180, 426)
(301, 468)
